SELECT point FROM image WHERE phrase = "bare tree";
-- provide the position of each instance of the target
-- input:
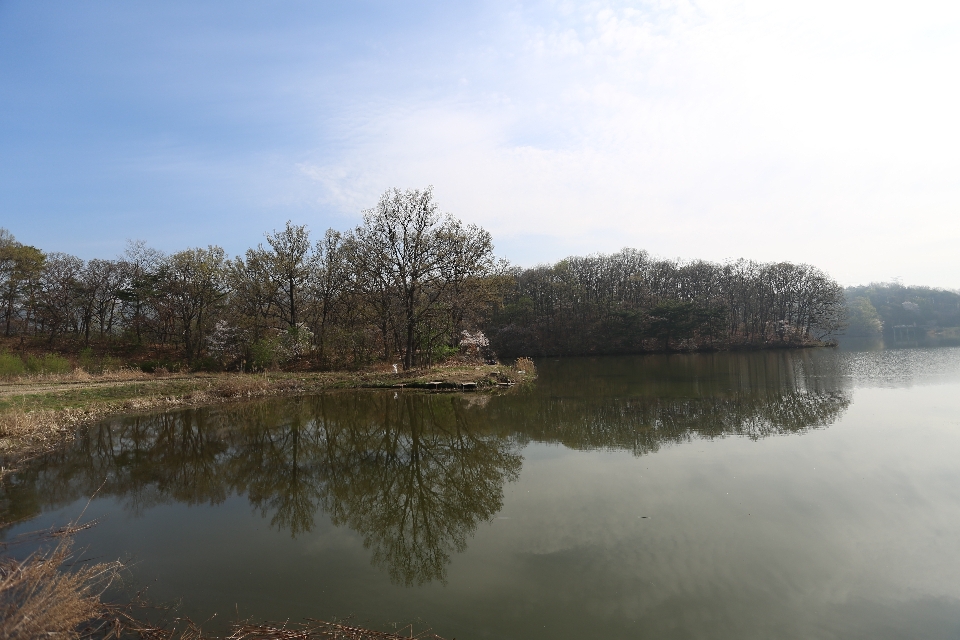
(194, 284)
(140, 265)
(291, 265)
(406, 247)
(20, 269)
(329, 286)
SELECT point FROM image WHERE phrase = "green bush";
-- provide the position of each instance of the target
(11, 365)
(264, 354)
(97, 364)
(108, 363)
(48, 363)
(208, 364)
(442, 352)
(88, 362)
(152, 366)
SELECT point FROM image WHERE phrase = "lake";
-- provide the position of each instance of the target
(783, 494)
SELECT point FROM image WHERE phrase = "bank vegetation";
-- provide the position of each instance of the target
(409, 286)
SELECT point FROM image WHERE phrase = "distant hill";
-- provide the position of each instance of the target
(899, 313)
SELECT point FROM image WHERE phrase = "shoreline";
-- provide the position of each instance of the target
(39, 414)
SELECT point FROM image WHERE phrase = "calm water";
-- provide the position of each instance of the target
(811, 494)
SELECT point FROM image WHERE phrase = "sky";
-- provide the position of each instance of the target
(819, 132)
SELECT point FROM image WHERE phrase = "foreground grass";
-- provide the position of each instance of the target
(37, 413)
(42, 597)
(53, 593)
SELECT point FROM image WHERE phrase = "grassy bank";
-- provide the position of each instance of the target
(39, 412)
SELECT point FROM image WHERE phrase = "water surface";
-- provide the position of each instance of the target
(788, 494)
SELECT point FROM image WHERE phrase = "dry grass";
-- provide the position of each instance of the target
(46, 595)
(26, 430)
(81, 375)
(320, 630)
(26, 434)
(526, 366)
(50, 595)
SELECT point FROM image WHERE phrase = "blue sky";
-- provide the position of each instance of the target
(820, 132)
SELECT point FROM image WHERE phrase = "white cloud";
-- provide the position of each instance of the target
(818, 132)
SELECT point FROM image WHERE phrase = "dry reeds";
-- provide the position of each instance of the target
(79, 374)
(51, 595)
(525, 366)
(320, 630)
(26, 434)
(42, 596)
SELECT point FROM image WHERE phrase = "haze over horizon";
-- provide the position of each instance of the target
(823, 133)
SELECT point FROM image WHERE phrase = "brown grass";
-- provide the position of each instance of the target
(81, 375)
(320, 630)
(28, 431)
(51, 595)
(46, 596)
(26, 434)
(526, 366)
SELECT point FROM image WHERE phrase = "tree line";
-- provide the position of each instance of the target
(408, 285)
(629, 302)
(406, 282)
(878, 308)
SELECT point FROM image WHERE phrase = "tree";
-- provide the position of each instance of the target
(194, 282)
(291, 265)
(102, 280)
(863, 317)
(332, 278)
(20, 269)
(407, 248)
(60, 286)
(140, 266)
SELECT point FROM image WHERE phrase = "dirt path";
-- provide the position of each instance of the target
(32, 388)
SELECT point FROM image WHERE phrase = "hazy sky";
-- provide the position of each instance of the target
(820, 132)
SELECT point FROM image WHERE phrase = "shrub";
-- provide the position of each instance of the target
(443, 352)
(264, 354)
(206, 364)
(88, 362)
(48, 363)
(159, 366)
(525, 365)
(97, 365)
(11, 365)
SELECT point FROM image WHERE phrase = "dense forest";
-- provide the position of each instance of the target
(895, 311)
(628, 303)
(408, 285)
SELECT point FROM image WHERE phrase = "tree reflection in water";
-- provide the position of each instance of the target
(417, 483)
(409, 472)
(639, 404)
(414, 474)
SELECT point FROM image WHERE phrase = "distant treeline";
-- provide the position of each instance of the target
(881, 308)
(629, 303)
(408, 285)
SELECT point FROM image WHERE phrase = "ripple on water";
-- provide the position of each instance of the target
(903, 367)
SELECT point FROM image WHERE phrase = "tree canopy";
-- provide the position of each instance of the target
(409, 285)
